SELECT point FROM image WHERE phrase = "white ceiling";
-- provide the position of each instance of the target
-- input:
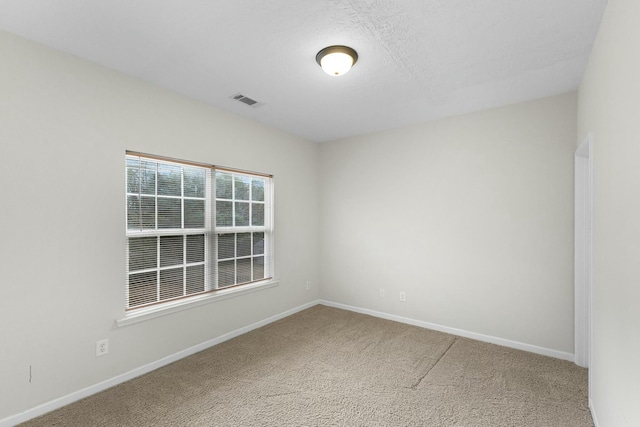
(418, 59)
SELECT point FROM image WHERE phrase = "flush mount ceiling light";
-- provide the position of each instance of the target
(336, 60)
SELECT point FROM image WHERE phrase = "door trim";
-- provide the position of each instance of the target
(583, 255)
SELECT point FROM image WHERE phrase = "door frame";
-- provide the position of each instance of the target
(583, 255)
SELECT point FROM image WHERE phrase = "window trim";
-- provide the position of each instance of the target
(142, 314)
(192, 163)
(163, 307)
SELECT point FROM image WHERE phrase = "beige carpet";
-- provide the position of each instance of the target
(330, 367)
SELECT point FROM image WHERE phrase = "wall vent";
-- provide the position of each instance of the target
(246, 100)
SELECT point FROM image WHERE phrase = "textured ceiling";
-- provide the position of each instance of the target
(418, 59)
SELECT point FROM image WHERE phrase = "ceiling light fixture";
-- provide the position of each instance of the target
(336, 60)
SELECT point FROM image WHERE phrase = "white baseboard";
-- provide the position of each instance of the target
(459, 332)
(88, 391)
(593, 413)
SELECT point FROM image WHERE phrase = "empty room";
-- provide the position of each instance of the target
(288, 213)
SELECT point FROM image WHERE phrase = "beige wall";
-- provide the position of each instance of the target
(609, 107)
(64, 127)
(471, 216)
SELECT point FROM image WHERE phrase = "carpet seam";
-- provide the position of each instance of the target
(417, 383)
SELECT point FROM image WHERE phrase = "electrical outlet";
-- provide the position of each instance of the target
(308, 285)
(382, 293)
(403, 296)
(102, 347)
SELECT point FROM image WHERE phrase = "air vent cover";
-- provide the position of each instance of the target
(246, 100)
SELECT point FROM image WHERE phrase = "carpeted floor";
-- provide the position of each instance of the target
(330, 367)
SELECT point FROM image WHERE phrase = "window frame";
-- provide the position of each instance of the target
(212, 291)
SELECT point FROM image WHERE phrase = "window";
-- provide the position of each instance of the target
(193, 228)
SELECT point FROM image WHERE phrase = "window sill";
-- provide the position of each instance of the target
(142, 314)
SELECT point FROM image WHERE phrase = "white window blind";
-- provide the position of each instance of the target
(194, 228)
